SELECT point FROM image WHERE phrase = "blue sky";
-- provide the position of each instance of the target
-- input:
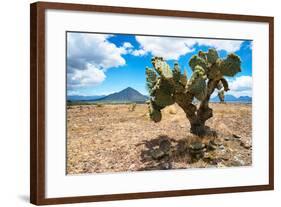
(100, 64)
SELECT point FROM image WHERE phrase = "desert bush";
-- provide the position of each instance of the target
(132, 107)
(99, 105)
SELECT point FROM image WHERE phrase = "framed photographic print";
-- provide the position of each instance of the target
(130, 103)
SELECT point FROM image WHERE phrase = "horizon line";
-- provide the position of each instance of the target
(85, 95)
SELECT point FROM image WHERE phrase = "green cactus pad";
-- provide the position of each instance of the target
(197, 83)
(163, 98)
(151, 78)
(196, 60)
(162, 68)
(231, 65)
(200, 72)
(154, 113)
(212, 56)
(202, 55)
(176, 72)
(198, 88)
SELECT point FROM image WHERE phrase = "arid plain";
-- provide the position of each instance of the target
(121, 137)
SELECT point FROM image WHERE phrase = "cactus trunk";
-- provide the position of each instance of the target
(198, 117)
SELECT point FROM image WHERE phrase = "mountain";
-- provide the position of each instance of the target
(127, 95)
(226, 98)
(84, 98)
(245, 99)
(230, 98)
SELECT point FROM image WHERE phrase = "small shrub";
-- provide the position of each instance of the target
(132, 107)
(99, 105)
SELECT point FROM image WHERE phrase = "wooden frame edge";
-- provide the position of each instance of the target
(147, 195)
(37, 102)
(33, 105)
(149, 11)
(271, 102)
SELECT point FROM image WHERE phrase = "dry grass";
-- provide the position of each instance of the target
(111, 138)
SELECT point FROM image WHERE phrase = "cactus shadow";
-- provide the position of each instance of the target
(163, 152)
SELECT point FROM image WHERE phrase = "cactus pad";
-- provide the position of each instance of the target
(196, 60)
(176, 72)
(163, 95)
(231, 65)
(151, 78)
(212, 56)
(162, 68)
(154, 112)
(197, 83)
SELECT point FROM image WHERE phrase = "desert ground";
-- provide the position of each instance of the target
(121, 137)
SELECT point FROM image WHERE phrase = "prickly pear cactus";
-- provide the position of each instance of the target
(167, 86)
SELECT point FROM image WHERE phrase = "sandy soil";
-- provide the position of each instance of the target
(114, 138)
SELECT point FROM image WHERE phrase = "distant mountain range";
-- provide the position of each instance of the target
(127, 95)
(230, 98)
(84, 98)
(130, 95)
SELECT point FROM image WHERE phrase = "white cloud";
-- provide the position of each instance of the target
(127, 45)
(139, 52)
(241, 83)
(75, 93)
(240, 86)
(171, 48)
(227, 45)
(167, 47)
(89, 56)
(90, 76)
(94, 49)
